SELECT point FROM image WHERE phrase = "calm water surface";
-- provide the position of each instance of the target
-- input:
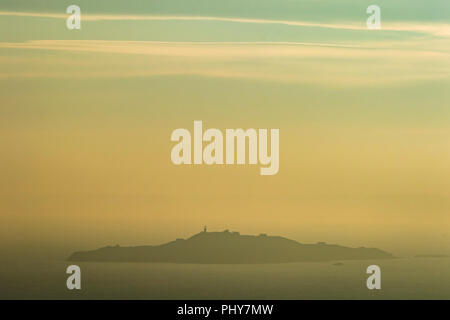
(409, 278)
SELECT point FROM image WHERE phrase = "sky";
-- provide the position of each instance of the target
(86, 117)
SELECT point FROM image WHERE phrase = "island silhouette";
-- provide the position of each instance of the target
(230, 248)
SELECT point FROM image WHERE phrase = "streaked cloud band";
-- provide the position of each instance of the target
(435, 29)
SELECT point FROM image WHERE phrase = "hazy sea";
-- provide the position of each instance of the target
(402, 278)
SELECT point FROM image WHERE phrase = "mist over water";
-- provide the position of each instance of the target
(412, 278)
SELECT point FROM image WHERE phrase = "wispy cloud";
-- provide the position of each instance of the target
(435, 29)
(224, 50)
(319, 64)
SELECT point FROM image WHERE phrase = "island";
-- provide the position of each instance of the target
(230, 248)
